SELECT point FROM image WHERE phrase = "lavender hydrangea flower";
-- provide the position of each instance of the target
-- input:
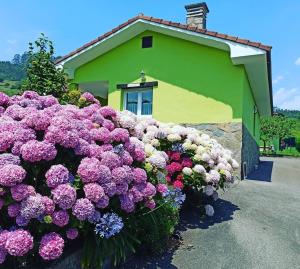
(83, 209)
(32, 207)
(7, 158)
(72, 233)
(13, 210)
(64, 195)
(56, 175)
(60, 218)
(110, 159)
(35, 151)
(103, 202)
(21, 191)
(109, 225)
(93, 191)
(88, 170)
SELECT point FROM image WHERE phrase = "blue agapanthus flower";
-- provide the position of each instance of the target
(119, 149)
(178, 147)
(175, 197)
(109, 225)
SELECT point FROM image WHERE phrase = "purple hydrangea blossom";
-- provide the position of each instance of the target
(19, 243)
(56, 175)
(72, 233)
(60, 218)
(83, 209)
(11, 174)
(64, 196)
(93, 191)
(88, 170)
(51, 246)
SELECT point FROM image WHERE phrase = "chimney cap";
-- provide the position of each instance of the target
(197, 5)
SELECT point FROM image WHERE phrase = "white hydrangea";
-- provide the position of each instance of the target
(198, 168)
(215, 196)
(149, 150)
(157, 160)
(174, 137)
(234, 164)
(155, 142)
(205, 157)
(126, 119)
(197, 157)
(187, 171)
(214, 176)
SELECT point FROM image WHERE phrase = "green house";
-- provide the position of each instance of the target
(181, 73)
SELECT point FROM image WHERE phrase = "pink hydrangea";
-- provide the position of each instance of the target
(56, 175)
(93, 192)
(88, 170)
(64, 195)
(60, 218)
(174, 167)
(51, 246)
(162, 188)
(107, 111)
(19, 243)
(120, 135)
(4, 99)
(72, 233)
(139, 175)
(110, 159)
(150, 204)
(48, 204)
(11, 174)
(35, 151)
(83, 209)
(21, 191)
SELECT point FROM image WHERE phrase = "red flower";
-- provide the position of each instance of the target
(174, 167)
(187, 162)
(178, 184)
(179, 177)
(176, 156)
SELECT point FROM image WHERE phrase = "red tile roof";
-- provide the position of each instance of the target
(168, 23)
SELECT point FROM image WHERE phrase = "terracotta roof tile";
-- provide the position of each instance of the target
(168, 23)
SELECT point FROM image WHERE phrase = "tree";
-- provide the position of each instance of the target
(284, 127)
(278, 126)
(42, 75)
(17, 59)
(267, 130)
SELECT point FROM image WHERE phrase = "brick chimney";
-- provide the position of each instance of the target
(196, 15)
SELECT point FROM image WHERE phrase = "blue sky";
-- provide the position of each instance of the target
(72, 23)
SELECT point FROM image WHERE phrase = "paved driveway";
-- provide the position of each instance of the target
(256, 225)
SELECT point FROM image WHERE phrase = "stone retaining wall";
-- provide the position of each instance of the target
(235, 137)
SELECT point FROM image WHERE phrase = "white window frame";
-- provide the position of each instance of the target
(139, 107)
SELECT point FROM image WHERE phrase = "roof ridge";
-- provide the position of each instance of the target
(141, 16)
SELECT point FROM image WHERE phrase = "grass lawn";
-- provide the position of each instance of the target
(9, 87)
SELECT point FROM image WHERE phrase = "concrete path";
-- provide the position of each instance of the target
(256, 226)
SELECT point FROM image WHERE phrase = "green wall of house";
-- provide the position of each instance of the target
(196, 84)
(250, 119)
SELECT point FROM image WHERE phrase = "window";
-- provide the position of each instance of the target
(147, 42)
(139, 102)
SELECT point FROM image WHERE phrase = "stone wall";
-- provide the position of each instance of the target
(250, 151)
(235, 137)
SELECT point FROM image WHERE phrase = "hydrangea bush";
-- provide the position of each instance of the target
(182, 157)
(65, 170)
(88, 171)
